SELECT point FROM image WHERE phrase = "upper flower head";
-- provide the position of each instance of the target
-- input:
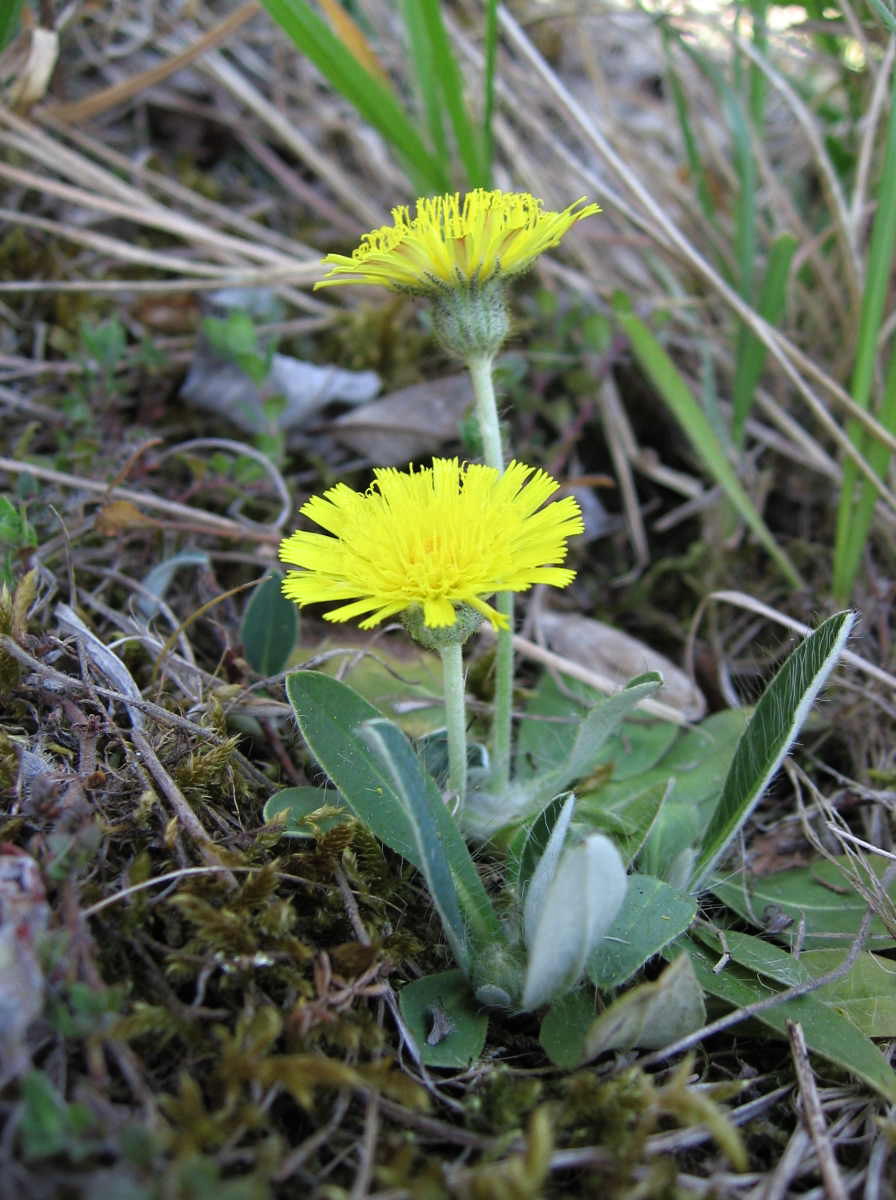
(431, 538)
(451, 241)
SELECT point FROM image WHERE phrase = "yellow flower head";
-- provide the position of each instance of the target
(450, 242)
(433, 538)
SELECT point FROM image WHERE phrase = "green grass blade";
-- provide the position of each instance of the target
(779, 716)
(692, 149)
(745, 205)
(490, 47)
(730, 100)
(751, 350)
(427, 80)
(681, 401)
(822, 16)
(10, 11)
(373, 101)
(466, 135)
(854, 521)
(887, 15)
(878, 456)
(759, 12)
(745, 241)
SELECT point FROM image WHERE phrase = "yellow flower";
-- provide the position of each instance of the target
(451, 242)
(432, 538)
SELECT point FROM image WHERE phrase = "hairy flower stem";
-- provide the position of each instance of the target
(480, 369)
(455, 719)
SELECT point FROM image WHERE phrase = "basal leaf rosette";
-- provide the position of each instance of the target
(455, 242)
(434, 539)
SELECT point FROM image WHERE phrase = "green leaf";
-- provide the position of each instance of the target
(779, 716)
(700, 758)
(632, 749)
(447, 1025)
(376, 789)
(269, 628)
(299, 803)
(652, 915)
(637, 746)
(815, 906)
(373, 100)
(694, 772)
(745, 193)
(866, 995)
(588, 739)
(663, 782)
(394, 751)
(651, 1015)
(562, 1033)
(447, 864)
(548, 729)
(685, 407)
(104, 341)
(157, 581)
(756, 954)
(50, 1126)
(827, 1033)
(329, 713)
(628, 816)
(697, 171)
(887, 15)
(536, 839)
(403, 683)
(432, 750)
(235, 337)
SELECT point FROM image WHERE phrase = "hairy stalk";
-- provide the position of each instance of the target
(480, 369)
(455, 719)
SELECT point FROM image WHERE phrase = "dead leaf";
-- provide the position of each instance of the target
(23, 919)
(26, 67)
(619, 657)
(221, 387)
(118, 516)
(651, 1015)
(407, 424)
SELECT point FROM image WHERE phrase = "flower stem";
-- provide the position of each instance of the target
(455, 719)
(480, 369)
(503, 717)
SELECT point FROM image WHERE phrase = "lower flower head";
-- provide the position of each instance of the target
(432, 538)
(451, 242)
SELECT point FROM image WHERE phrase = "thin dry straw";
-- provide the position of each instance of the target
(668, 234)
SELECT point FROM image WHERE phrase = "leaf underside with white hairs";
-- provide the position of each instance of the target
(578, 908)
(778, 718)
